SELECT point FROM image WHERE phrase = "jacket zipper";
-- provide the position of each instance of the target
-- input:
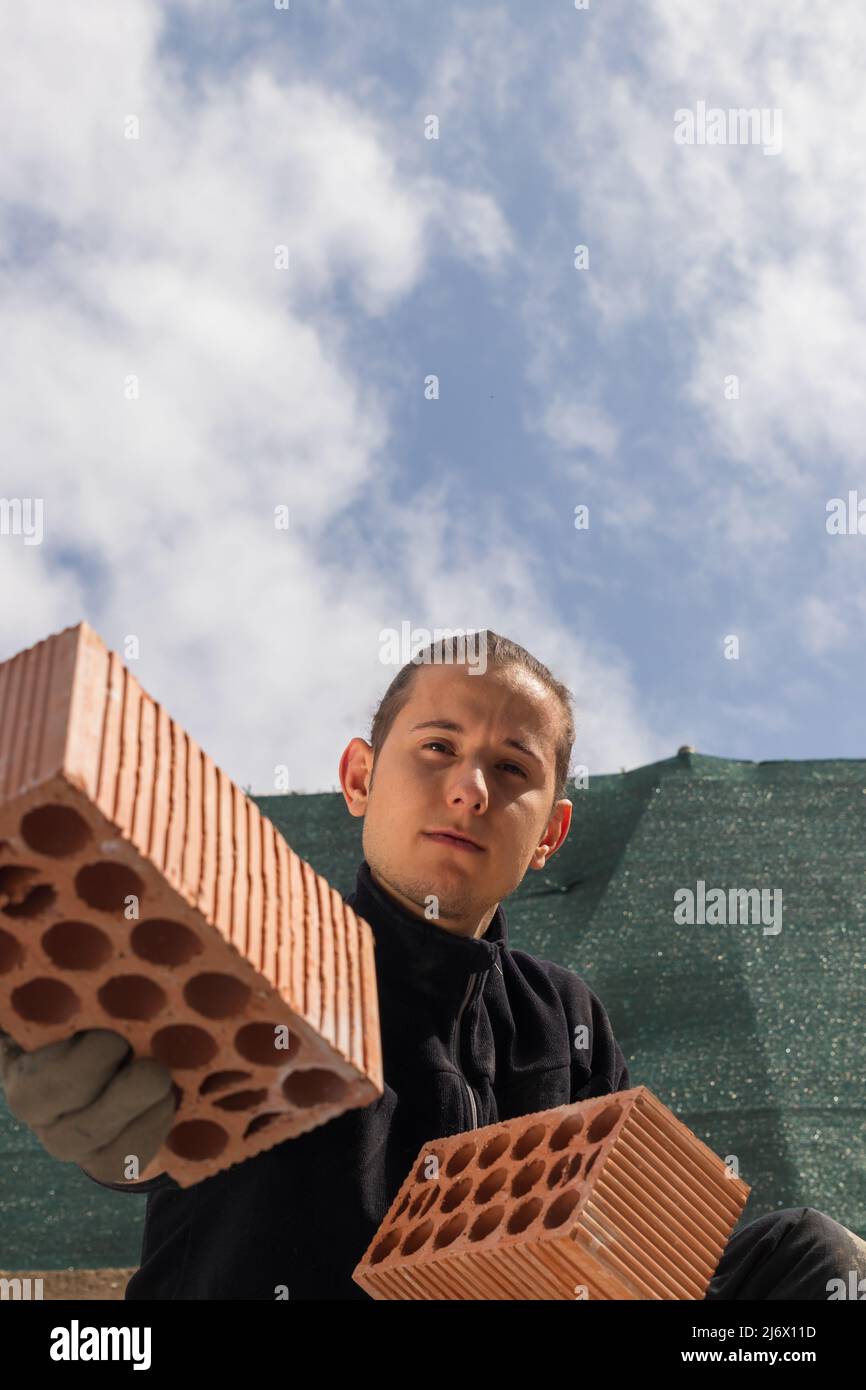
(455, 1049)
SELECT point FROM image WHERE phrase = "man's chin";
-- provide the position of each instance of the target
(441, 895)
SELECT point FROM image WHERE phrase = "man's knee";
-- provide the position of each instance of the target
(773, 1226)
(835, 1249)
(818, 1225)
(794, 1252)
(845, 1247)
(813, 1227)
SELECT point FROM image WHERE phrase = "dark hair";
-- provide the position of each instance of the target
(501, 652)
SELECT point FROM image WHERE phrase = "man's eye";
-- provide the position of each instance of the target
(437, 743)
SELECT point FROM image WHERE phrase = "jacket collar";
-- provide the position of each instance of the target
(419, 954)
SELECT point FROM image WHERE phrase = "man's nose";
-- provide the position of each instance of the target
(469, 789)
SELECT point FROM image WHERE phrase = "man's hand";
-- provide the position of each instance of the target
(88, 1102)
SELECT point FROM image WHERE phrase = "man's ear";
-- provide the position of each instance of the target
(554, 835)
(356, 775)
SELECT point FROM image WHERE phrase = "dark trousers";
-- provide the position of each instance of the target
(795, 1253)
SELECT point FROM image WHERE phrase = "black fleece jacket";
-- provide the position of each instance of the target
(472, 1032)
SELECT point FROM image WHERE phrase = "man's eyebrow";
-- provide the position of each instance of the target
(458, 729)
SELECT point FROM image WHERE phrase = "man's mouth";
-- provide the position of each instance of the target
(446, 838)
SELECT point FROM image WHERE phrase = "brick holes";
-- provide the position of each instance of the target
(459, 1159)
(493, 1149)
(257, 1042)
(45, 1001)
(215, 995)
(106, 885)
(131, 996)
(424, 1200)
(54, 830)
(416, 1238)
(164, 942)
(384, 1247)
(182, 1045)
(37, 901)
(76, 946)
(316, 1086)
(591, 1162)
(11, 952)
(242, 1100)
(431, 1199)
(261, 1122)
(485, 1224)
(400, 1210)
(529, 1140)
(561, 1208)
(222, 1080)
(527, 1178)
(574, 1166)
(450, 1231)
(197, 1139)
(557, 1171)
(524, 1216)
(456, 1194)
(19, 895)
(603, 1123)
(472, 1213)
(565, 1132)
(491, 1185)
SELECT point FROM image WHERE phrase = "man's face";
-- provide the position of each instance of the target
(469, 779)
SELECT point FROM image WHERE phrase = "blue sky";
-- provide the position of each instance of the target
(154, 258)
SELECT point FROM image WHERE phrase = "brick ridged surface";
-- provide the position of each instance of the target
(244, 972)
(610, 1198)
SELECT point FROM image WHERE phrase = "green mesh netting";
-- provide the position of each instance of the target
(756, 1041)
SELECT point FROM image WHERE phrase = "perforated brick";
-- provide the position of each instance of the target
(243, 971)
(610, 1198)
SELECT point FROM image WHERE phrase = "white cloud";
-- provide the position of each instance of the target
(707, 262)
(825, 627)
(579, 425)
(754, 263)
(153, 258)
(467, 571)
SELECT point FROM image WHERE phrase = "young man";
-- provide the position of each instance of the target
(461, 788)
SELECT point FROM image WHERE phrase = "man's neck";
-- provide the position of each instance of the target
(458, 929)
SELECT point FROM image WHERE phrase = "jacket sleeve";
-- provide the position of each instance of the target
(598, 1064)
(608, 1068)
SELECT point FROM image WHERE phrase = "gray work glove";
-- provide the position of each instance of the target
(87, 1102)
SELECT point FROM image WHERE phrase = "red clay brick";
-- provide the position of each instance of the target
(103, 795)
(612, 1195)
